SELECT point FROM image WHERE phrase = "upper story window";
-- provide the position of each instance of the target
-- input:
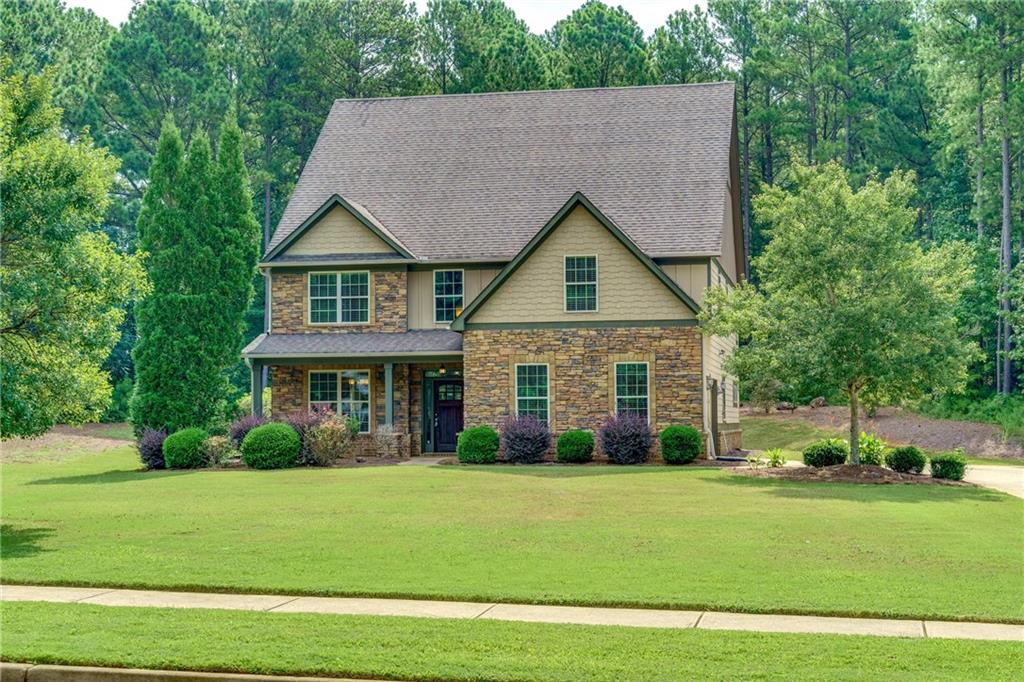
(339, 297)
(448, 294)
(532, 391)
(631, 388)
(580, 284)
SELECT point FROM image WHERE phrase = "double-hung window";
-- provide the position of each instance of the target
(580, 284)
(345, 392)
(448, 294)
(532, 391)
(631, 388)
(339, 297)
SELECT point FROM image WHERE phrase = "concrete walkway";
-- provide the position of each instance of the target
(1008, 479)
(650, 618)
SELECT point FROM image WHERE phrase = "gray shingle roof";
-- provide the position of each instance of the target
(476, 176)
(441, 341)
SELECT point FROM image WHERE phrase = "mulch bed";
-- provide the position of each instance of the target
(844, 473)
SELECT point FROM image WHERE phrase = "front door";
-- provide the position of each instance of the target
(447, 414)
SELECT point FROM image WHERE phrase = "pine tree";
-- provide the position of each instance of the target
(516, 62)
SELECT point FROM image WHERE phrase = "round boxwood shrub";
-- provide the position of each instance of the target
(478, 445)
(905, 460)
(681, 444)
(950, 465)
(184, 449)
(575, 446)
(271, 446)
(826, 453)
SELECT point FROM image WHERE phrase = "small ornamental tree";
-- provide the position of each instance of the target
(847, 299)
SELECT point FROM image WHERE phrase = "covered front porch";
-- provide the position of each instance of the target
(410, 382)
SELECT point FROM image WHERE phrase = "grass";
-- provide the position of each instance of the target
(434, 649)
(645, 536)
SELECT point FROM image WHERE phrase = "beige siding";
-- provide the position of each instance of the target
(716, 350)
(691, 278)
(421, 293)
(338, 232)
(729, 246)
(626, 289)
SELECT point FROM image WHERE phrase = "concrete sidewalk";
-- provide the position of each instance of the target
(651, 618)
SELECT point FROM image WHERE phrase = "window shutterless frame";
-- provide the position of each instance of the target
(339, 391)
(630, 392)
(452, 296)
(577, 276)
(352, 291)
(536, 401)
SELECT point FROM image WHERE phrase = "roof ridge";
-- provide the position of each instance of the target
(452, 95)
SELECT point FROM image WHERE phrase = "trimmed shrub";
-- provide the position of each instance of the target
(184, 449)
(871, 449)
(681, 444)
(626, 438)
(906, 460)
(302, 422)
(271, 446)
(331, 440)
(950, 465)
(218, 450)
(525, 439)
(575, 446)
(151, 448)
(242, 426)
(826, 453)
(478, 445)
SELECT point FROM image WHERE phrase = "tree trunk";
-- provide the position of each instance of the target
(1006, 245)
(854, 425)
(268, 152)
(745, 185)
(768, 167)
(848, 121)
(979, 174)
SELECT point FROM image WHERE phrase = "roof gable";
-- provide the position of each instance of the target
(581, 202)
(469, 177)
(339, 226)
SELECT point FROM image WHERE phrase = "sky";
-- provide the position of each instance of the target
(539, 15)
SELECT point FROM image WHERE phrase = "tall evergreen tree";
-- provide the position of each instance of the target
(516, 62)
(602, 47)
(685, 50)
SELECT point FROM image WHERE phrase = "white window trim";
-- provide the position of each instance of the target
(337, 298)
(547, 398)
(615, 371)
(565, 284)
(338, 373)
(433, 293)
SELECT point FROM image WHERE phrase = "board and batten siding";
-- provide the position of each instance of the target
(338, 232)
(716, 350)
(421, 293)
(691, 278)
(626, 290)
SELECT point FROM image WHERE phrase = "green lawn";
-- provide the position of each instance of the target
(649, 536)
(429, 649)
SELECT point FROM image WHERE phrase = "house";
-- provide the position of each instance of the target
(446, 261)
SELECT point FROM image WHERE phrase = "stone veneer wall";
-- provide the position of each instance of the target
(580, 365)
(290, 393)
(289, 298)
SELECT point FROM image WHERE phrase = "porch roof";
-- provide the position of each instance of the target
(419, 343)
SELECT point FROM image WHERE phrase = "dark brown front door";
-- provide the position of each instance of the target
(447, 414)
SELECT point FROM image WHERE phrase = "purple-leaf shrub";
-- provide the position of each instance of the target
(151, 448)
(244, 425)
(302, 422)
(626, 438)
(525, 439)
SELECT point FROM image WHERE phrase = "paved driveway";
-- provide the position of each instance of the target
(1009, 479)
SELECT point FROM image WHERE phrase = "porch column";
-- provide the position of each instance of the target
(257, 387)
(389, 393)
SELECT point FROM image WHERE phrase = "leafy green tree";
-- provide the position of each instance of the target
(848, 299)
(601, 46)
(516, 62)
(64, 285)
(685, 49)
